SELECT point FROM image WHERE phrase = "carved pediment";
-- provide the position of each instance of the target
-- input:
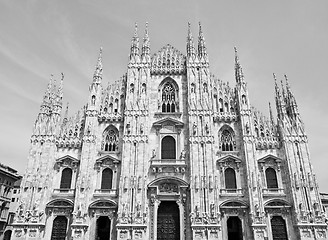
(229, 161)
(106, 161)
(168, 180)
(168, 122)
(269, 158)
(60, 203)
(233, 204)
(277, 203)
(101, 204)
(67, 161)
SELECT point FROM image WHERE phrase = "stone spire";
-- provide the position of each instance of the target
(202, 53)
(134, 54)
(97, 76)
(146, 45)
(47, 98)
(60, 92)
(271, 115)
(191, 52)
(239, 75)
(290, 99)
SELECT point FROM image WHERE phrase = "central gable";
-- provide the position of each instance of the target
(168, 60)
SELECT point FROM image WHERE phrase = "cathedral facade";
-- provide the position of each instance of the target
(169, 152)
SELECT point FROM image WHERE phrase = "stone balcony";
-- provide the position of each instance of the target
(168, 166)
(273, 192)
(231, 192)
(105, 193)
(64, 192)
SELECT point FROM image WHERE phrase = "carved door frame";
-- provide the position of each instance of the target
(167, 189)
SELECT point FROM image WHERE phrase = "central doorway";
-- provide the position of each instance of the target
(234, 229)
(103, 228)
(168, 221)
(279, 231)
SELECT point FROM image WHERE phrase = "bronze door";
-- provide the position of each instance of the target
(235, 231)
(278, 226)
(103, 228)
(59, 228)
(168, 221)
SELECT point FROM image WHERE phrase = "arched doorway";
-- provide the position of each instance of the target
(7, 235)
(59, 228)
(168, 221)
(103, 228)
(235, 231)
(278, 226)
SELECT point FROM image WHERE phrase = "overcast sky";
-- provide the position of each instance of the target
(39, 38)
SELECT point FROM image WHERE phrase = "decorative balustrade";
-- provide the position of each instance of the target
(168, 165)
(231, 192)
(105, 192)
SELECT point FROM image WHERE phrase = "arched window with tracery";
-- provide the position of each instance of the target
(110, 140)
(271, 178)
(169, 100)
(230, 179)
(106, 179)
(227, 140)
(168, 150)
(66, 179)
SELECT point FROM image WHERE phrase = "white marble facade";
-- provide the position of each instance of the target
(169, 151)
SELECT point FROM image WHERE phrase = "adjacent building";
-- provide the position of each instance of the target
(169, 151)
(8, 177)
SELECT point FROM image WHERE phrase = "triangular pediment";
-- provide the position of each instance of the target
(108, 158)
(67, 158)
(66, 161)
(168, 121)
(229, 157)
(269, 157)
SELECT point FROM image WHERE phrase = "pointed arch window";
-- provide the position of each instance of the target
(227, 140)
(66, 179)
(106, 179)
(230, 179)
(271, 178)
(169, 104)
(168, 148)
(110, 140)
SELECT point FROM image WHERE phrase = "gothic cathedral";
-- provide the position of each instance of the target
(169, 152)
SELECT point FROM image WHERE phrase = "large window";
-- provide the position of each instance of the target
(110, 140)
(226, 140)
(168, 148)
(106, 179)
(230, 179)
(66, 179)
(271, 178)
(168, 98)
